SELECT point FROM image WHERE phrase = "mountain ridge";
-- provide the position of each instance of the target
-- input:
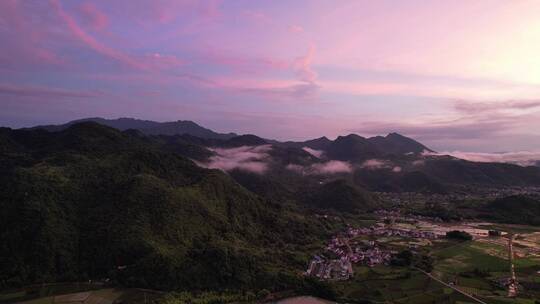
(148, 127)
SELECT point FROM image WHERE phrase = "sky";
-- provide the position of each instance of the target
(456, 75)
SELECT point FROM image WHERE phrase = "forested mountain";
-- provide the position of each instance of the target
(381, 163)
(92, 202)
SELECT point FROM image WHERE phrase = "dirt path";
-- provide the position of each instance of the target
(470, 296)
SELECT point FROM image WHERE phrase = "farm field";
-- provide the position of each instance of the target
(78, 294)
(478, 267)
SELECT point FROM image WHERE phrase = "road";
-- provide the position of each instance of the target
(468, 295)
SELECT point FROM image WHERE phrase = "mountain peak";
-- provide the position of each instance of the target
(245, 140)
(394, 135)
(351, 136)
(395, 143)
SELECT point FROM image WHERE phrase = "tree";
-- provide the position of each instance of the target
(404, 258)
(458, 235)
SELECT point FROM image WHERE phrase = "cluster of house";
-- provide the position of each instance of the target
(347, 248)
(371, 256)
(364, 252)
(393, 215)
(382, 230)
(335, 269)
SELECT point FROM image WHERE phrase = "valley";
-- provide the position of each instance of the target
(269, 152)
(241, 219)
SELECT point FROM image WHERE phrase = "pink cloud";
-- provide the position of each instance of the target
(274, 89)
(329, 167)
(332, 167)
(302, 67)
(375, 164)
(93, 17)
(162, 61)
(296, 29)
(257, 16)
(151, 62)
(24, 38)
(471, 107)
(314, 152)
(247, 158)
(92, 43)
(240, 62)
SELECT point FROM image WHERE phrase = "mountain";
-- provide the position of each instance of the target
(244, 140)
(91, 202)
(148, 127)
(341, 195)
(395, 143)
(383, 163)
(353, 148)
(356, 148)
(320, 143)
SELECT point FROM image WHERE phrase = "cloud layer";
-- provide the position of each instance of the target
(522, 158)
(247, 158)
(314, 152)
(329, 167)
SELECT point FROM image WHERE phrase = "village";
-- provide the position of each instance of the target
(371, 246)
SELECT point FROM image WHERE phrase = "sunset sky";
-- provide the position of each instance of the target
(455, 75)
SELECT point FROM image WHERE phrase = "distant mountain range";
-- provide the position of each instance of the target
(147, 127)
(351, 147)
(382, 163)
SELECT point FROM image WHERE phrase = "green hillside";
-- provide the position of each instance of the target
(92, 202)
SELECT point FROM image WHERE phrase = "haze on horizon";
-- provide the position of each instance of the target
(455, 75)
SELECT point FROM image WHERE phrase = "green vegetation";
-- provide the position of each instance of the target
(458, 235)
(91, 202)
(516, 209)
(342, 196)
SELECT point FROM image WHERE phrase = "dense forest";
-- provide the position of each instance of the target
(92, 202)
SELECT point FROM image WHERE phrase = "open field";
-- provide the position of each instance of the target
(71, 294)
